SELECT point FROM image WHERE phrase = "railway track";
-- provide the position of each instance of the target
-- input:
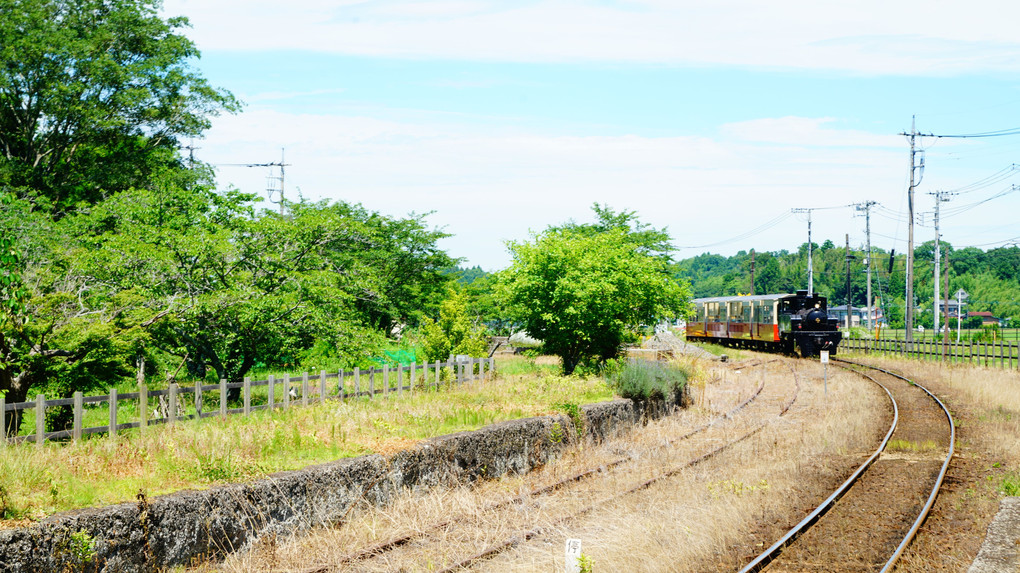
(718, 434)
(866, 524)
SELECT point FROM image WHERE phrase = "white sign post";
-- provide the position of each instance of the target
(573, 555)
(823, 355)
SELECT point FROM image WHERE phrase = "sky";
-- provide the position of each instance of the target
(710, 119)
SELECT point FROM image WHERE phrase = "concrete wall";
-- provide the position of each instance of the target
(188, 526)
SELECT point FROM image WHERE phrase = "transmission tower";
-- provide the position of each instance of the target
(272, 180)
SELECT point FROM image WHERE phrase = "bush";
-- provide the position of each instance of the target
(645, 380)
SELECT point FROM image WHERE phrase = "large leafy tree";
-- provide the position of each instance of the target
(580, 288)
(94, 95)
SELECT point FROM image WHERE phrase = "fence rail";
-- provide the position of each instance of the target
(171, 404)
(1002, 354)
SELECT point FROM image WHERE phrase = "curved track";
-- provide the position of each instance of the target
(361, 558)
(871, 518)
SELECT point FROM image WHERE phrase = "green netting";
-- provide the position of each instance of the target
(396, 357)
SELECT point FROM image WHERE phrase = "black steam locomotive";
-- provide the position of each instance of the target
(772, 322)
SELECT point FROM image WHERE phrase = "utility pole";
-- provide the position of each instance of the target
(940, 197)
(752, 272)
(866, 207)
(945, 335)
(270, 179)
(913, 135)
(849, 307)
(191, 153)
(810, 272)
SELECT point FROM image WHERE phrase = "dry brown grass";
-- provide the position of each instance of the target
(992, 393)
(690, 522)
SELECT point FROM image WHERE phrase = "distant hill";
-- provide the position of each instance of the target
(466, 276)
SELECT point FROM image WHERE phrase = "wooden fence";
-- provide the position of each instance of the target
(999, 354)
(280, 393)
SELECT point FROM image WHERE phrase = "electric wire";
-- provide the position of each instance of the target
(758, 230)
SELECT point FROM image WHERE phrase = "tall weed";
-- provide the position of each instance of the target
(646, 380)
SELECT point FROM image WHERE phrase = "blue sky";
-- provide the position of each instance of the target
(710, 119)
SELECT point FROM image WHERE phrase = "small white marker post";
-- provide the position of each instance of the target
(823, 355)
(573, 554)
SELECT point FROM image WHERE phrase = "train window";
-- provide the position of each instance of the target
(701, 311)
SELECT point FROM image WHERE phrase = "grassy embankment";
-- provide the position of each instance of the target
(196, 454)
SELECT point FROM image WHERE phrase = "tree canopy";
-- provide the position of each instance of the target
(579, 288)
(94, 95)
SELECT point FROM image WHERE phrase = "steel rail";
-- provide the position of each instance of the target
(773, 552)
(938, 481)
(398, 541)
(527, 535)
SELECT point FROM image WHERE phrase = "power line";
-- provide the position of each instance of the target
(764, 227)
(999, 133)
(271, 180)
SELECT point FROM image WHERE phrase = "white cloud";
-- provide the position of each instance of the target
(871, 36)
(806, 131)
(487, 185)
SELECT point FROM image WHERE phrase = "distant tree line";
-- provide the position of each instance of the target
(991, 278)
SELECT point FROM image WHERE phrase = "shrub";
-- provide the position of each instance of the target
(643, 380)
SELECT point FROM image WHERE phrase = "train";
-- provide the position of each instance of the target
(786, 323)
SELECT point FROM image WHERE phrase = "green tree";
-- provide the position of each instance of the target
(579, 292)
(94, 95)
(453, 332)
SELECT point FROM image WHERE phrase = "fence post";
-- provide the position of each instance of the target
(272, 392)
(322, 385)
(400, 379)
(414, 367)
(246, 390)
(40, 419)
(357, 381)
(371, 382)
(340, 384)
(76, 431)
(112, 431)
(172, 414)
(143, 408)
(198, 400)
(223, 397)
(304, 388)
(437, 375)
(286, 390)
(385, 379)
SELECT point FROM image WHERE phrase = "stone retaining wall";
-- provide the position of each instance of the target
(189, 526)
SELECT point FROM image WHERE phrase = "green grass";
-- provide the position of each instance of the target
(719, 350)
(1011, 484)
(194, 454)
(908, 446)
